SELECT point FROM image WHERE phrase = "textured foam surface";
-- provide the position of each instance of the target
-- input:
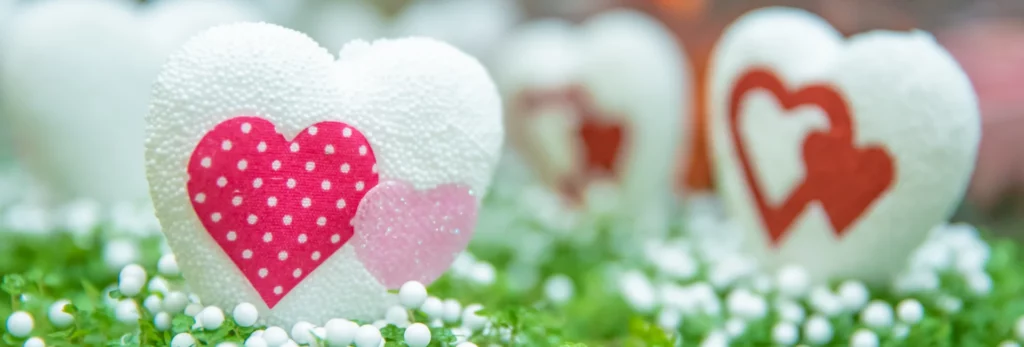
(633, 74)
(906, 97)
(430, 113)
(76, 80)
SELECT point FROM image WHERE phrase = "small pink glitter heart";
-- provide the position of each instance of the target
(403, 234)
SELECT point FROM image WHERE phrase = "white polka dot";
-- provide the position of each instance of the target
(321, 221)
(346, 132)
(297, 273)
(335, 238)
(264, 272)
(291, 183)
(222, 181)
(278, 290)
(374, 168)
(258, 182)
(315, 256)
(236, 200)
(282, 256)
(344, 168)
(226, 145)
(359, 186)
(261, 147)
(329, 149)
(246, 127)
(275, 165)
(340, 204)
(200, 198)
(267, 237)
(232, 235)
(252, 219)
(306, 202)
(362, 150)
(325, 185)
(272, 201)
(206, 162)
(310, 166)
(247, 254)
(294, 147)
(287, 219)
(242, 164)
(312, 130)
(215, 217)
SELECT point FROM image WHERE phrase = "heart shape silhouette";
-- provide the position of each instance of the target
(405, 234)
(279, 208)
(846, 180)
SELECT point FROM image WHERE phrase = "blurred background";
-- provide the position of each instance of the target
(54, 57)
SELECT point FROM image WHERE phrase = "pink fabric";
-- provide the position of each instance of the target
(279, 208)
(403, 234)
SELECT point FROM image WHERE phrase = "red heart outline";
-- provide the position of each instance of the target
(846, 185)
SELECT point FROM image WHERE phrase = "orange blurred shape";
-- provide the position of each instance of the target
(684, 8)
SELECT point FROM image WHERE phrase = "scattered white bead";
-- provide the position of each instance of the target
(1009, 343)
(900, 331)
(792, 281)
(728, 270)
(291, 343)
(744, 304)
(245, 314)
(483, 273)
(1018, 328)
(302, 333)
(275, 336)
(670, 319)
(168, 265)
(818, 330)
(973, 259)
(340, 332)
(735, 326)
(790, 311)
(183, 340)
(34, 342)
(910, 311)
(878, 314)
(932, 256)
(368, 336)
(822, 300)
(162, 321)
(466, 344)
(638, 291)
(127, 312)
(676, 263)
(918, 281)
(397, 315)
(212, 317)
(412, 295)
(715, 339)
(471, 320)
(158, 285)
(559, 289)
(854, 295)
(417, 335)
(452, 311)
(193, 309)
(153, 304)
(949, 304)
(864, 338)
(175, 302)
(132, 270)
(119, 253)
(58, 317)
(131, 286)
(979, 282)
(20, 324)
(785, 333)
(432, 307)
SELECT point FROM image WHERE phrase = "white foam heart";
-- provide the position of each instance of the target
(76, 79)
(906, 97)
(431, 114)
(635, 74)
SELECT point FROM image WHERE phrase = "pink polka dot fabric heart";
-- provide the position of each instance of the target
(405, 234)
(308, 184)
(279, 208)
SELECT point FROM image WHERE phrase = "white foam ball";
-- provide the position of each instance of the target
(58, 317)
(162, 321)
(397, 315)
(193, 309)
(175, 302)
(256, 341)
(153, 304)
(785, 333)
(669, 319)
(1018, 328)
(245, 314)
(168, 265)
(471, 320)
(854, 295)
(35, 342)
(818, 330)
(790, 311)
(792, 281)
(127, 312)
(212, 317)
(878, 314)
(451, 311)
(735, 326)
(130, 286)
(864, 338)
(559, 289)
(368, 336)
(638, 291)
(275, 336)
(910, 311)
(20, 324)
(183, 340)
(417, 335)
(432, 307)
(412, 295)
(483, 273)
(1009, 343)
(132, 270)
(302, 333)
(979, 282)
(340, 332)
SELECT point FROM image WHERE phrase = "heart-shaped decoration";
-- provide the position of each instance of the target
(834, 158)
(602, 102)
(270, 161)
(77, 119)
(391, 223)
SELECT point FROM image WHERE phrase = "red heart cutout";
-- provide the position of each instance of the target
(279, 208)
(846, 180)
